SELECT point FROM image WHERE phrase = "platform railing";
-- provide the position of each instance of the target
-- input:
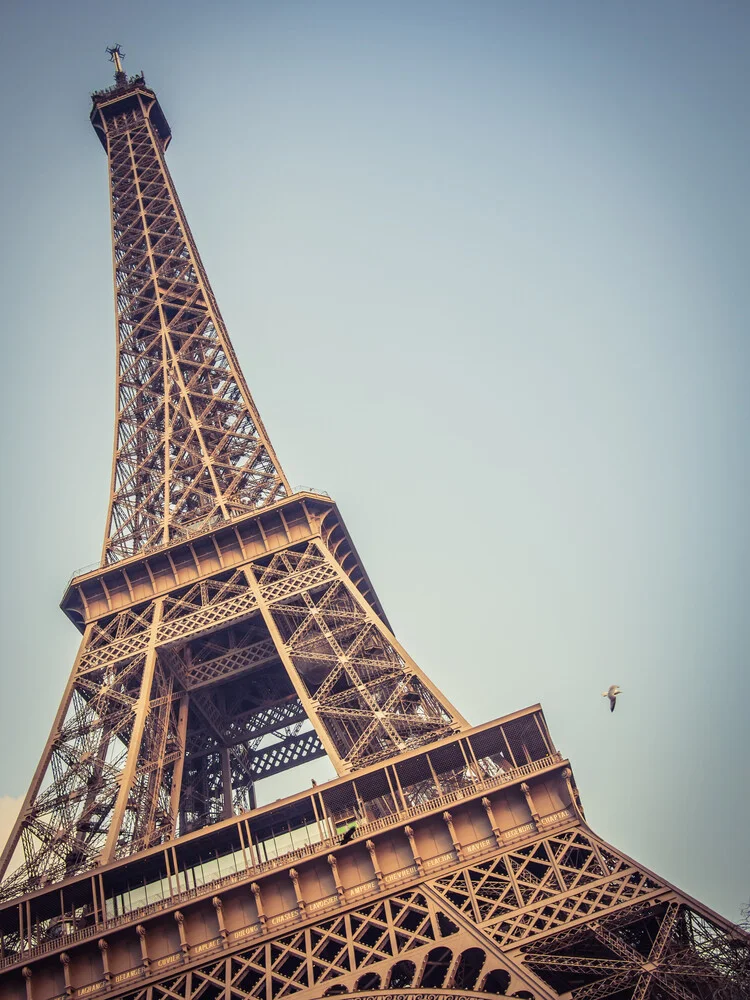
(469, 788)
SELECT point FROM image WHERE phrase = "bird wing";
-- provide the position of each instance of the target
(612, 703)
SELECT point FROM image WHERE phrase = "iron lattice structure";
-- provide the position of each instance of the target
(231, 633)
(190, 448)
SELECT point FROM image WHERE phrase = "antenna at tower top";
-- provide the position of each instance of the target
(115, 55)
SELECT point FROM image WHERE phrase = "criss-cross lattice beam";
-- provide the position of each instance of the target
(102, 786)
(190, 447)
(365, 696)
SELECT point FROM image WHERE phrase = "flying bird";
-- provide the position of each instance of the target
(612, 693)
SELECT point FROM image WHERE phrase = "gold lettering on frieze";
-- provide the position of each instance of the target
(130, 974)
(244, 932)
(480, 845)
(519, 831)
(83, 991)
(205, 946)
(556, 817)
(439, 860)
(168, 960)
(364, 887)
(319, 904)
(401, 873)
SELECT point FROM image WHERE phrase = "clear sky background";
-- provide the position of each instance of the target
(485, 265)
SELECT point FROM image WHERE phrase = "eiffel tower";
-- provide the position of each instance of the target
(231, 633)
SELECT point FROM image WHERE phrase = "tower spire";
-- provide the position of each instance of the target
(115, 56)
(190, 447)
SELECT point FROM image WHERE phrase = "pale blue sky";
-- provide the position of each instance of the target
(485, 268)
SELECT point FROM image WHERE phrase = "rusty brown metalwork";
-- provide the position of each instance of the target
(230, 633)
(190, 447)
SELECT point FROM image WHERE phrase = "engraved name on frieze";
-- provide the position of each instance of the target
(130, 974)
(168, 960)
(244, 932)
(83, 991)
(206, 946)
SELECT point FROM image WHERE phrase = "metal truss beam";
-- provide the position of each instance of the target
(190, 447)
